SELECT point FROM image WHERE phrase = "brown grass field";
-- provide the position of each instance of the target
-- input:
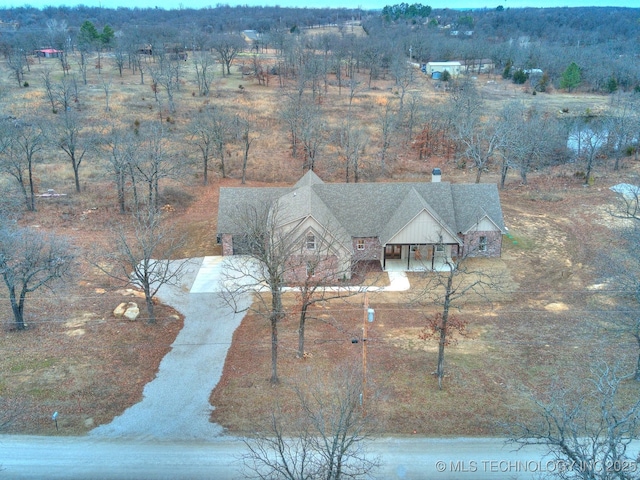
(549, 326)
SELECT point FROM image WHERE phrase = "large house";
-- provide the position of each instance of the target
(403, 226)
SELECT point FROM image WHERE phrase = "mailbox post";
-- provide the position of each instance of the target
(54, 417)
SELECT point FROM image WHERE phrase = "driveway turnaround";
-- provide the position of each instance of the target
(175, 405)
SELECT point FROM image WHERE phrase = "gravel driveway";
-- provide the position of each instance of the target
(175, 405)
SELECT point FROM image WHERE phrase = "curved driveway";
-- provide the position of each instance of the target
(175, 405)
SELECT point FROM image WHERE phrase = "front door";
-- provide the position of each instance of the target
(393, 252)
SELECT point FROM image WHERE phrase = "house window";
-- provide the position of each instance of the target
(360, 244)
(439, 247)
(482, 244)
(311, 241)
(311, 269)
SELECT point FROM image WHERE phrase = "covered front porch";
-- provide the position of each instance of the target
(418, 258)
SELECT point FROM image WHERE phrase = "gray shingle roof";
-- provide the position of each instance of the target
(369, 209)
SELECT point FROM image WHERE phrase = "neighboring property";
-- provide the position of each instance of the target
(250, 36)
(49, 53)
(453, 68)
(403, 226)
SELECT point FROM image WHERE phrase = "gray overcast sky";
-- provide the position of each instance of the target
(366, 4)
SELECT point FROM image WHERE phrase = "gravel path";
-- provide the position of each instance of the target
(175, 405)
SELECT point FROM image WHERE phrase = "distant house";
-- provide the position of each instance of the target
(250, 36)
(403, 226)
(453, 68)
(49, 53)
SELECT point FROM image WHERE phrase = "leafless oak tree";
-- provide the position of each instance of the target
(479, 138)
(30, 261)
(453, 280)
(210, 131)
(21, 143)
(204, 66)
(68, 136)
(327, 440)
(227, 46)
(142, 256)
(264, 265)
(621, 268)
(590, 431)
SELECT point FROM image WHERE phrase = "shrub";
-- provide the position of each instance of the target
(519, 77)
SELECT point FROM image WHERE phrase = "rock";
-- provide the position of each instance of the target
(88, 422)
(130, 292)
(120, 309)
(132, 311)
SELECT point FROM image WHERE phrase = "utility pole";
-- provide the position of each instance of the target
(368, 317)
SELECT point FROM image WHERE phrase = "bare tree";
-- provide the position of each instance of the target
(313, 274)
(142, 256)
(165, 75)
(155, 161)
(402, 72)
(351, 141)
(479, 138)
(620, 126)
(452, 280)
(105, 83)
(68, 136)
(387, 123)
(327, 440)
(22, 143)
(243, 133)
(267, 248)
(60, 95)
(120, 55)
(620, 267)
(17, 62)
(121, 148)
(48, 85)
(203, 64)
(628, 206)
(590, 430)
(588, 139)
(227, 46)
(210, 131)
(527, 139)
(312, 133)
(413, 114)
(292, 111)
(30, 261)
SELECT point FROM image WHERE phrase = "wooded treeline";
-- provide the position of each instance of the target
(603, 42)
